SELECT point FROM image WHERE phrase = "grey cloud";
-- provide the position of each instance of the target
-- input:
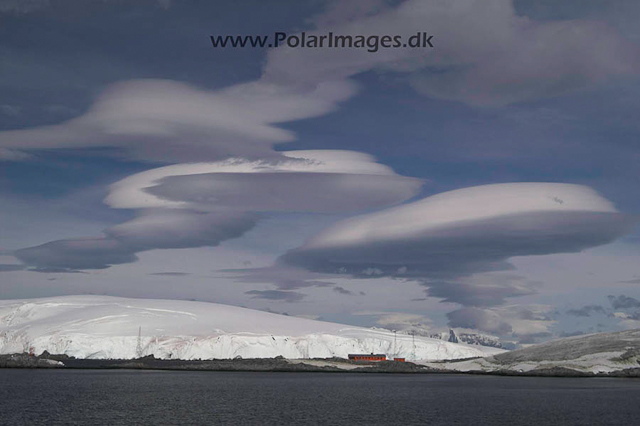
(623, 302)
(586, 311)
(471, 294)
(484, 53)
(151, 230)
(21, 7)
(170, 274)
(479, 319)
(287, 191)
(11, 268)
(466, 248)
(635, 281)
(342, 290)
(570, 333)
(287, 296)
(284, 278)
(445, 241)
(163, 120)
(85, 253)
(181, 229)
(525, 322)
(55, 270)
(533, 338)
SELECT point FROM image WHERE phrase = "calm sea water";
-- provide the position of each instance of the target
(118, 397)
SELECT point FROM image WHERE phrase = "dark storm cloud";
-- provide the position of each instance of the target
(586, 311)
(623, 302)
(287, 296)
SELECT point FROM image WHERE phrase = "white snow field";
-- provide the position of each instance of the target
(103, 327)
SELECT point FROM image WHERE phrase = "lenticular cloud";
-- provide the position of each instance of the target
(466, 231)
(204, 204)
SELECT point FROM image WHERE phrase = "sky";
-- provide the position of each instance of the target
(488, 183)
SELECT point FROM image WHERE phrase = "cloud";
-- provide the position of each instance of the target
(181, 229)
(11, 267)
(484, 54)
(401, 321)
(479, 319)
(22, 7)
(284, 278)
(170, 274)
(525, 322)
(81, 253)
(319, 181)
(475, 293)
(204, 204)
(456, 234)
(342, 290)
(164, 120)
(623, 302)
(633, 281)
(287, 296)
(151, 230)
(586, 311)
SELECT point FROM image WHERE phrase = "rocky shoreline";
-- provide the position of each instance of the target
(280, 364)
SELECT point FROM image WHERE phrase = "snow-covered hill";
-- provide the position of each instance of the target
(592, 353)
(107, 327)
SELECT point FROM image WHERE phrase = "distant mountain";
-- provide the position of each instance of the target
(112, 327)
(592, 353)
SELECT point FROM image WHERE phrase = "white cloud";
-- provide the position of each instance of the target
(311, 181)
(223, 203)
(163, 120)
(466, 231)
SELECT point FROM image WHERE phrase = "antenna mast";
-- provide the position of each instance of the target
(139, 345)
(413, 341)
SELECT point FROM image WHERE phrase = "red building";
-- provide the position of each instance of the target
(368, 357)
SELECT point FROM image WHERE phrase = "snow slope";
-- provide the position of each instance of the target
(591, 353)
(107, 327)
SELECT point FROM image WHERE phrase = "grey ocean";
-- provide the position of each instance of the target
(119, 397)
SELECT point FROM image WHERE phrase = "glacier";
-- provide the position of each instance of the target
(105, 327)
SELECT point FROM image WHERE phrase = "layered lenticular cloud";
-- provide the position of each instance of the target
(485, 55)
(458, 233)
(204, 204)
(169, 121)
(319, 181)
